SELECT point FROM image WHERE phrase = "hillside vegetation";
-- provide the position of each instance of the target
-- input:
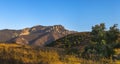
(95, 45)
(18, 54)
(72, 40)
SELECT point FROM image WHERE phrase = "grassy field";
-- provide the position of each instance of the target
(19, 54)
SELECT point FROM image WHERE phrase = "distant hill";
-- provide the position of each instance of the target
(37, 35)
(7, 34)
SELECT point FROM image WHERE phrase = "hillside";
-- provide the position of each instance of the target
(76, 44)
(37, 35)
(6, 35)
(72, 40)
(79, 39)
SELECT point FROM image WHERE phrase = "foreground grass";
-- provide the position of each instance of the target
(18, 54)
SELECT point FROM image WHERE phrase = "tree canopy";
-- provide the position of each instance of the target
(103, 41)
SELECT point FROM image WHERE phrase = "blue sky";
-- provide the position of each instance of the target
(77, 15)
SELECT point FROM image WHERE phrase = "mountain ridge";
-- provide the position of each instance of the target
(37, 35)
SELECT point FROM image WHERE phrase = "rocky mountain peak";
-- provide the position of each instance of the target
(40, 28)
(58, 27)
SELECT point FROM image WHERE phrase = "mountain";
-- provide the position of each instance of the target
(37, 35)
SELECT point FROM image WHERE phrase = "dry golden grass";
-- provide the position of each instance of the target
(18, 54)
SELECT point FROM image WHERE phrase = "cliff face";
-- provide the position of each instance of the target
(36, 35)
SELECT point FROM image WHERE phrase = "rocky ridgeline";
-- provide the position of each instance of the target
(40, 29)
(36, 35)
